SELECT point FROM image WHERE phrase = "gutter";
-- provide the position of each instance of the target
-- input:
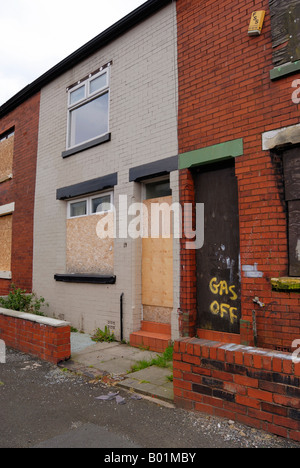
(113, 32)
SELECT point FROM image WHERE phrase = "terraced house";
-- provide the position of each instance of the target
(90, 146)
(239, 136)
(108, 141)
(18, 150)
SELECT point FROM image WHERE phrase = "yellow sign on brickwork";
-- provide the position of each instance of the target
(256, 23)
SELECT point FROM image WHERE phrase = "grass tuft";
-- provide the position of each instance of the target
(164, 360)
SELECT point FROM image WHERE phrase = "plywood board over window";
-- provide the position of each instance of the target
(6, 158)
(86, 252)
(5, 243)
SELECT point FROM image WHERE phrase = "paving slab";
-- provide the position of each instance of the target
(152, 381)
(114, 358)
(98, 360)
(80, 341)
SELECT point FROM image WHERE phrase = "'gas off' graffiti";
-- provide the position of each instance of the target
(225, 311)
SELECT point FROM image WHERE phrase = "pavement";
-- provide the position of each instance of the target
(112, 363)
(42, 406)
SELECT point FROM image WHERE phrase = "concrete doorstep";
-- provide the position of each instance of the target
(112, 362)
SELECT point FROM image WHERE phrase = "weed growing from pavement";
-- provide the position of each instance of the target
(104, 336)
(164, 360)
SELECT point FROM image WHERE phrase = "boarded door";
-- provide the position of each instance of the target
(157, 266)
(218, 266)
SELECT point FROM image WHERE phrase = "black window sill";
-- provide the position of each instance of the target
(85, 278)
(88, 145)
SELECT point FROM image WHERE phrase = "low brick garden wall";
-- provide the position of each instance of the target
(256, 387)
(48, 339)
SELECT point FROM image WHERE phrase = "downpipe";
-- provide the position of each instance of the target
(121, 317)
(254, 322)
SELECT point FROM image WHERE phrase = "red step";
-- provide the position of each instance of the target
(153, 336)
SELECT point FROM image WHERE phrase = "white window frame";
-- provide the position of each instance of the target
(103, 194)
(88, 201)
(7, 135)
(88, 97)
(79, 200)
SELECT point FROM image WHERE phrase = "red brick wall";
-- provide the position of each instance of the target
(251, 386)
(21, 189)
(225, 90)
(225, 93)
(47, 342)
(188, 302)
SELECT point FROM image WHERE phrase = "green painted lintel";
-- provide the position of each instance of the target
(229, 149)
(285, 70)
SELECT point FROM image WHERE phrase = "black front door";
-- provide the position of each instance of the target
(218, 262)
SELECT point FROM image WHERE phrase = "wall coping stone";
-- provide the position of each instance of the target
(237, 347)
(34, 318)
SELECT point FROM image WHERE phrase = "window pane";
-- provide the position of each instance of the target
(158, 189)
(78, 209)
(77, 95)
(7, 136)
(89, 121)
(98, 83)
(101, 204)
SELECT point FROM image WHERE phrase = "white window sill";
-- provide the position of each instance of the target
(5, 275)
(90, 144)
(7, 209)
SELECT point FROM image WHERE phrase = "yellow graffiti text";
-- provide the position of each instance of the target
(220, 288)
(224, 310)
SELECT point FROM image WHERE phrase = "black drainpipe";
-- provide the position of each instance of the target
(121, 317)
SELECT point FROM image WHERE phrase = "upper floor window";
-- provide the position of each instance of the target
(7, 135)
(285, 22)
(6, 155)
(88, 109)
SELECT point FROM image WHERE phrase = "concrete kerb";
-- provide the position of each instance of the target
(112, 362)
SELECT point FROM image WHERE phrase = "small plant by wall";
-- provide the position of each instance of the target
(103, 336)
(19, 300)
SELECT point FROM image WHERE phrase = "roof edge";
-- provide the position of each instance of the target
(108, 35)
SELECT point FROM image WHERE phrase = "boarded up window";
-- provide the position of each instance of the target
(285, 23)
(6, 156)
(5, 243)
(86, 251)
(291, 163)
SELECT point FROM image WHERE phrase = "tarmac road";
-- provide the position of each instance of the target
(43, 406)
